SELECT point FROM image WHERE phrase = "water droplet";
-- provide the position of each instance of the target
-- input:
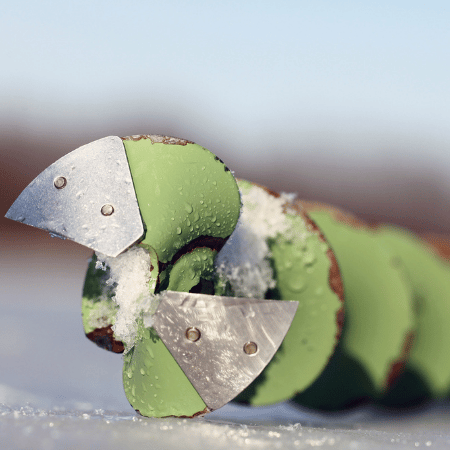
(213, 219)
(201, 202)
(156, 377)
(309, 259)
(188, 208)
(178, 230)
(195, 217)
(297, 284)
(142, 372)
(188, 222)
(218, 224)
(214, 183)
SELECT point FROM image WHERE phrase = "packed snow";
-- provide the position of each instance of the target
(244, 259)
(133, 290)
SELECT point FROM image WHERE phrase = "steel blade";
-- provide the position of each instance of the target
(86, 196)
(221, 343)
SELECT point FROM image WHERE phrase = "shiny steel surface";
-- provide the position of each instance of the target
(67, 198)
(217, 364)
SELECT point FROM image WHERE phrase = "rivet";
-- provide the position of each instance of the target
(250, 348)
(193, 334)
(60, 183)
(107, 210)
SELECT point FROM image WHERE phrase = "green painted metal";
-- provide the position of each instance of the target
(302, 271)
(429, 276)
(379, 317)
(183, 192)
(154, 383)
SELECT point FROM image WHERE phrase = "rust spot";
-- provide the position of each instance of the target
(104, 338)
(439, 243)
(398, 366)
(218, 159)
(269, 191)
(157, 139)
(338, 215)
(197, 414)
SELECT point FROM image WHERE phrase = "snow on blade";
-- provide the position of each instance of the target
(244, 260)
(130, 275)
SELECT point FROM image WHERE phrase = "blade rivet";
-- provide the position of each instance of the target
(250, 348)
(60, 183)
(107, 210)
(193, 334)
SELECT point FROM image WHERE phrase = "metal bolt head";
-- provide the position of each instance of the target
(250, 348)
(60, 182)
(193, 334)
(107, 210)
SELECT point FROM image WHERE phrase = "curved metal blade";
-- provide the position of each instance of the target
(67, 198)
(221, 343)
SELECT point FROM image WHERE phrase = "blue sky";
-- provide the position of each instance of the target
(351, 79)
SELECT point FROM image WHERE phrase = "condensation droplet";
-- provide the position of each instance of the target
(309, 259)
(297, 284)
(178, 230)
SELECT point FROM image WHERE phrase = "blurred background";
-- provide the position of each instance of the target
(345, 102)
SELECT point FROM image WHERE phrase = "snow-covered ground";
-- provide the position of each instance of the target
(58, 390)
